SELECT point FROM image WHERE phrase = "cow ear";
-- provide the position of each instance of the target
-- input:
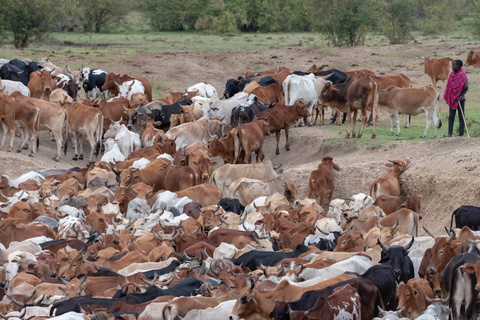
(212, 163)
(469, 269)
(415, 292)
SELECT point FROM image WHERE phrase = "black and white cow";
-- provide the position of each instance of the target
(93, 81)
(166, 112)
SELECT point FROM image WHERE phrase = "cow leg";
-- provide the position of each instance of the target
(427, 125)
(349, 119)
(354, 121)
(392, 116)
(287, 146)
(364, 122)
(81, 141)
(277, 135)
(398, 122)
(75, 142)
(23, 138)
(4, 133)
(93, 144)
(407, 124)
(33, 137)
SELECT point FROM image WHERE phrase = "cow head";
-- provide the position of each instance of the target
(350, 241)
(231, 88)
(302, 110)
(246, 303)
(205, 168)
(443, 251)
(72, 89)
(413, 203)
(397, 257)
(291, 192)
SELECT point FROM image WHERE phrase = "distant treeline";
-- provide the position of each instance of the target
(344, 22)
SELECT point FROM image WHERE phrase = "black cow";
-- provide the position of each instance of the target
(234, 86)
(166, 112)
(466, 216)
(170, 268)
(246, 112)
(185, 287)
(461, 285)
(381, 275)
(366, 289)
(78, 304)
(231, 205)
(17, 70)
(93, 81)
(254, 258)
(397, 257)
(334, 75)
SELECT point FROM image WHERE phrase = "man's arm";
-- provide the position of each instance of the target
(464, 91)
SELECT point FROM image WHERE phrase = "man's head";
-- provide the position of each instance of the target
(457, 65)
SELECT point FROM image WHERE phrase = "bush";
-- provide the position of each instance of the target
(226, 23)
(399, 20)
(345, 22)
(205, 23)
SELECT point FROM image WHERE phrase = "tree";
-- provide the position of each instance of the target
(344, 22)
(95, 14)
(27, 19)
(398, 20)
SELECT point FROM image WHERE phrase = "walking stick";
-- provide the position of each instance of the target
(464, 120)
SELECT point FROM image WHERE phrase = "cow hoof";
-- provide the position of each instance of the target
(26, 147)
(398, 134)
(422, 136)
(55, 159)
(53, 139)
(391, 134)
(81, 157)
(277, 152)
(75, 158)
(19, 150)
(31, 155)
(406, 127)
(374, 136)
(89, 164)
(434, 137)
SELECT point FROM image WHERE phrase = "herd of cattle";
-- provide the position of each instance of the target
(152, 231)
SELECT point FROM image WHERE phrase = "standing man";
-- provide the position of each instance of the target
(455, 90)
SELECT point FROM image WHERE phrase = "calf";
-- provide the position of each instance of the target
(7, 118)
(41, 84)
(321, 181)
(249, 137)
(282, 117)
(411, 297)
(389, 183)
(473, 59)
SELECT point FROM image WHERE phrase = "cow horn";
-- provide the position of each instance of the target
(206, 253)
(150, 283)
(395, 225)
(444, 301)
(243, 218)
(55, 216)
(255, 237)
(113, 223)
(129, 223)
(321, 231)
(133, 232)
(135, 191)
(384, 247)
(196, 230)
(83, 279)
(150, 190)
(116, 233)
(429, 232)
(223, 220)
(378, 223)
(73, 191)
(30, 296)
(124, 108)
(410, 244)
(349, 199)
(9, 295)
(169, 280)
(156, 236)
(1, 193)
(282, 268)
(74, 228)
(186, 256)
(348, 229)
(315, 222)
(199, 208)
(427, 298)
(117, 172)
(448, 232)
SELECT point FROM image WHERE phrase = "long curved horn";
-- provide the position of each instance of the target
(395, 225)
(444, 301)
(156, 236)
(282, 268)
(321, 231)
(129, 223)
(315, 222)
(429, 232)
(255, 237)
(223, 220)
(384, 247)
(196, 230)
(448, 232)
(169, 280)
(83, 279)
(410, 244)
(348, 229)
(73, 191)
(113, 223)
(206, 254)
(378, 223)
(428, 299)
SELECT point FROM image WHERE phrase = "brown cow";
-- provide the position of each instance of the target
(249, 137)
(362, 94)
(389, 183)
(113, 88)
(52, 118)
(282, 117)
(269, 95)
(390, 204)
(28, 117)
(84, 121)
(168, 146)
(152, 135)
(411, 297)
(321, 181)
(41, 84)
(205, 194)
(438, 69)
(357, 74)
(7, 118)
(224, 148)
(473, 59)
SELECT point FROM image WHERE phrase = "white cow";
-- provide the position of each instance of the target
(305, 88)
(357, 264)
(127, 140)
(203, 90)
(200, 130)
(112, 152)
(128, 88)
(222, 109)
(10, 87)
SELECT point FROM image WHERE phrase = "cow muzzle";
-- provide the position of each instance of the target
(47, 89)
(129, 126)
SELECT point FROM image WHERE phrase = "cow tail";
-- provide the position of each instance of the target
(37, 127)
(439, 106)
(454, 213)
(99, 133)
(373, 191)
(65, 144)
(238, 149)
